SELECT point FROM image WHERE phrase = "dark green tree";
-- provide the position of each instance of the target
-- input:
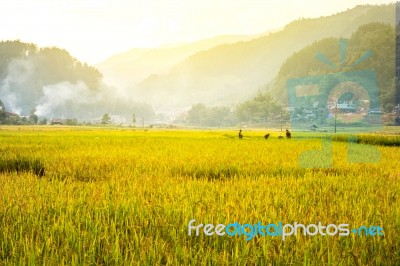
(216, 116)
(33, 119)
(71, 122)
(3, 114)
(106, 119)
(262, 107)
(197, 115)
(43, 121)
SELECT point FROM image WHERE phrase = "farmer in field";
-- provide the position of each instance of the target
(240, 134)
(288, 134)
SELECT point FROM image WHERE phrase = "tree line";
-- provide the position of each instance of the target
(262, 108)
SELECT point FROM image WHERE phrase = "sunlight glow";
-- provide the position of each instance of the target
(93, 30)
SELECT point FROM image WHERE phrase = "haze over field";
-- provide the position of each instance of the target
(217, 55)
(228, 73)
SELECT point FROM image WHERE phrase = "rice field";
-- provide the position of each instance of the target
(115, 196)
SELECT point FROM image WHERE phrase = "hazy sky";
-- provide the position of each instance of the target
(92, 30)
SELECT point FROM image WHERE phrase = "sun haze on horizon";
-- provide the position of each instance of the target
(93, 30)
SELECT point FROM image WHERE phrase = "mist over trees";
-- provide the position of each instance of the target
(262, 108)
(26, 69)
(49, 82)
(217, 116)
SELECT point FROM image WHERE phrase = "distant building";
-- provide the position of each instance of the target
(8, 114)
(343, 107)
(57, 121)
(346, 107)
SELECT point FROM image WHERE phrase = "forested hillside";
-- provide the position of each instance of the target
(375, 40)
(229, 73)
(371, 47)
(49, 82)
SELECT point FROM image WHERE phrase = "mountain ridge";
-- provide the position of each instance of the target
(228, 73)
(139, 61)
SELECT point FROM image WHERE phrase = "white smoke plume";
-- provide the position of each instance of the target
(18, 73)
(10, 99)
(60, 95)
(22, 91)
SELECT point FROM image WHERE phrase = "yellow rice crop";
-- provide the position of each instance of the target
(126, 197)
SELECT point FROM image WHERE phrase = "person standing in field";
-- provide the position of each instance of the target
(288, 134)
(240, 134)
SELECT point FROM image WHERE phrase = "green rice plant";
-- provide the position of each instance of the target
(373, 139)
(20, 164)
(207, 172)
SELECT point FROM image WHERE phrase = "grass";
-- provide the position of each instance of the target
(373, 139)
(120, 196)
(22, 165)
